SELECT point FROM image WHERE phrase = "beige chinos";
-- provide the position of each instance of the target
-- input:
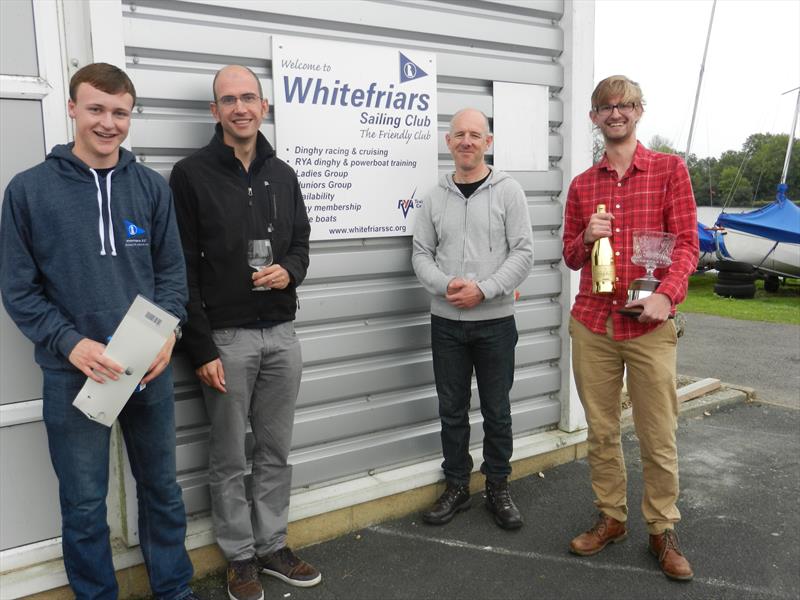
(598, 363)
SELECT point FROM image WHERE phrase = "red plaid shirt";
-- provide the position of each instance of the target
(654, 194)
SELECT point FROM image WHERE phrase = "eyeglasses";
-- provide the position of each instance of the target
(248, 99)
(625, 108)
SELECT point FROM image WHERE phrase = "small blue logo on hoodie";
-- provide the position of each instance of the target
(135, 235)
(132, 229)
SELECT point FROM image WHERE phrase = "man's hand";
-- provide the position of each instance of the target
(274, 276)
(161, 360)
(655, 308)
(463, 293)
(213, 375)
(599, 227)
(87, 357)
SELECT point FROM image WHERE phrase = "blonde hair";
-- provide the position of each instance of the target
(617, 86)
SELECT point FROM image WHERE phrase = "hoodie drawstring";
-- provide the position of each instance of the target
(100, 223)
(111, 221)
(489, 217)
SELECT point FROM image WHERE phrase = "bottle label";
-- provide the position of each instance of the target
(603, 272)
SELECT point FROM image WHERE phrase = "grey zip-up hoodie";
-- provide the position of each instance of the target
(486, 237)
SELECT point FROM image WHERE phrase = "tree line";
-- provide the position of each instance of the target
(748, 177)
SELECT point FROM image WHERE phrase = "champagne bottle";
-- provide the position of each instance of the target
(603, 271)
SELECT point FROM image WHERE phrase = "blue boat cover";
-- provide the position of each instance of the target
(706, 238)
(778, 221)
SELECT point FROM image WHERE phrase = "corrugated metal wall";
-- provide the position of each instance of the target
(367, 399)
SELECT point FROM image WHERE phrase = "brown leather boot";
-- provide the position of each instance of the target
(605, 531)
(673, 563)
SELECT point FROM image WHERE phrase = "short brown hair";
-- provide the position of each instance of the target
(103, 76)
(617, 86)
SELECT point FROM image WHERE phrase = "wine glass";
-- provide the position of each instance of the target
(259, 255)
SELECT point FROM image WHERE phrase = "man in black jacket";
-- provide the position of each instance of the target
(240, 334)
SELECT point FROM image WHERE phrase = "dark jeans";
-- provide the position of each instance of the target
(488, 347)
(79, 451)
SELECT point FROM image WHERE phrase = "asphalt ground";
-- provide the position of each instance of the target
(740, 478)
(763, 356)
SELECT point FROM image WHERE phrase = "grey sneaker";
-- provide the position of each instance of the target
(243, 581)
(289, 568)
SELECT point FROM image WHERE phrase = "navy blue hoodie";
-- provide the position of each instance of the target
(70, 265)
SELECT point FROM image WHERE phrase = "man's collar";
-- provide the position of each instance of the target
(263, 148)
(641, 159)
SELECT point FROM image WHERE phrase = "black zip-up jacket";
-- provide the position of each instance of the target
(220, 208)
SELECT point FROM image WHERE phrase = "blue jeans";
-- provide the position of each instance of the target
(79, 451)
(488, 348)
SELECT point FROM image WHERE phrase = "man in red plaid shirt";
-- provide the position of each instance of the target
(642, 190)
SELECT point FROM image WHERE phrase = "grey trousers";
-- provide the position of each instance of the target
(262, 378)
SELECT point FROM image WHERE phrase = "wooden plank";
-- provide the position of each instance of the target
(697, 389)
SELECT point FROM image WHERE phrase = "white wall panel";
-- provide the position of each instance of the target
(18, 42)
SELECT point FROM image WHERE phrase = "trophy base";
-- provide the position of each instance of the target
(634, 311)
(641, 288)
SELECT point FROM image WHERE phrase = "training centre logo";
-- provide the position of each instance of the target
(132, 229)
(409, 70)
(134, 234)
(406, 204)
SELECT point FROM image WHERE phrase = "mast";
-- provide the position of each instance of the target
(791, 138)
(699, 82)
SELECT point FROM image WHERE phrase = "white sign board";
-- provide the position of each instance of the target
(521, 126)
(358, 124)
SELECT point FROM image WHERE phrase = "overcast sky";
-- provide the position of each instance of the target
(753, 57)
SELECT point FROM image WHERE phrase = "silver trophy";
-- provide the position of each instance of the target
(651, 250)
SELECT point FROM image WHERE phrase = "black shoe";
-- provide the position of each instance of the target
(499, 502)
(454, 499)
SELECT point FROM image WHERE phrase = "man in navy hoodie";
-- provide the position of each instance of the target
(81, 235)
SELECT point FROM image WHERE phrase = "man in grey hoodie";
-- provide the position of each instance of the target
(472, 248)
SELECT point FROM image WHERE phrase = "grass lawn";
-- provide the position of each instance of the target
(781, 307)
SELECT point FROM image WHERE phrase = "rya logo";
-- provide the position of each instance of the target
(132, 229)
(409, 70)
(406, 204)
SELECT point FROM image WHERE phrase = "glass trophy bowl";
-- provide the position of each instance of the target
(651, 250)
